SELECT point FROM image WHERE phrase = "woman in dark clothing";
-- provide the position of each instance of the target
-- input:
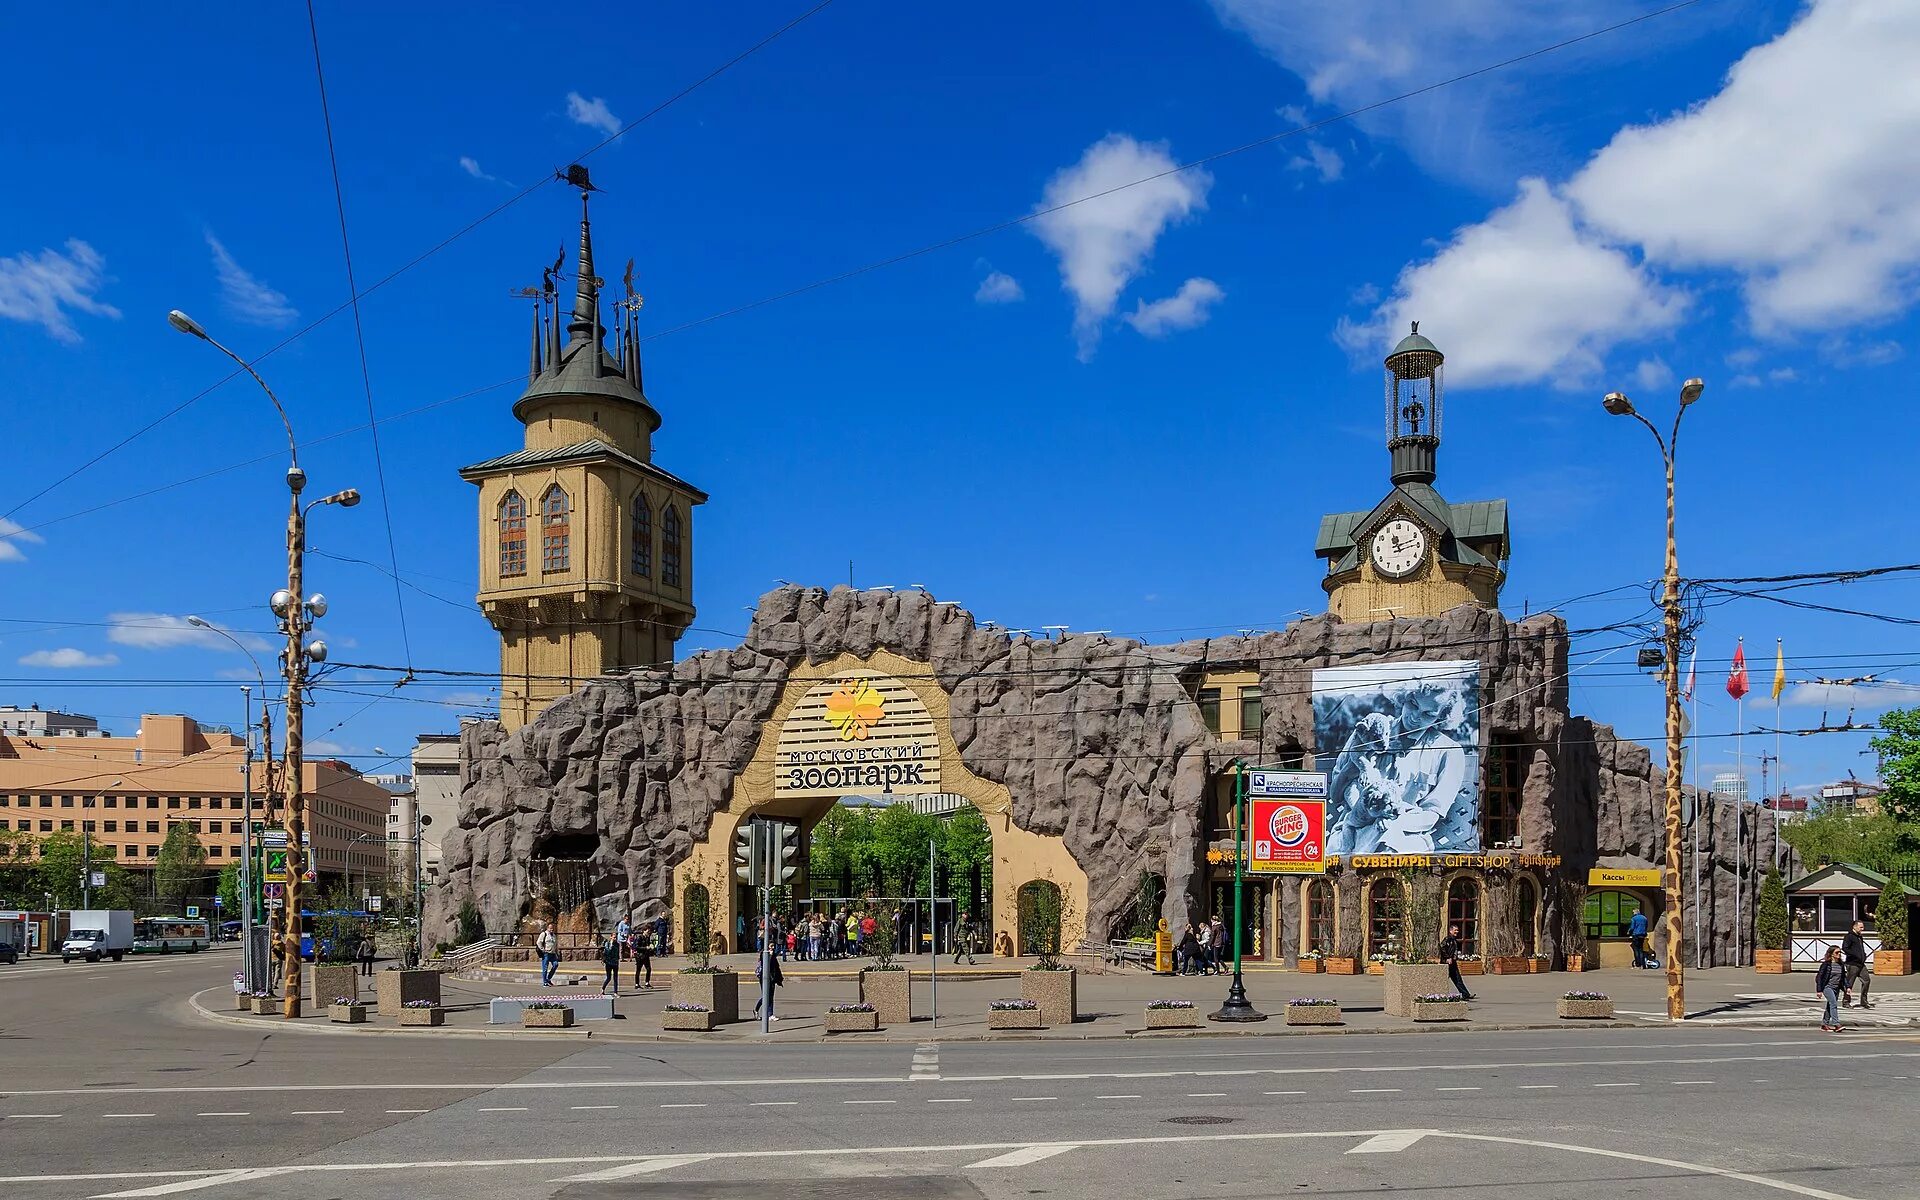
(1188, 960)
(1831, 978)
(610, 961)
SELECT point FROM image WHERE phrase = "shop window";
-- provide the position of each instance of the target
(1506, 778)
(1251, 714)
(556, 548)
(513, 534)
(1209, 700)
(670, 547)
(1526, 908)
(1320, 916)
(1608, 913)
(1386, 917)
(1463, 909)
(642, 536)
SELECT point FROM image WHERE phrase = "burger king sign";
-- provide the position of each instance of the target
(1288, 836)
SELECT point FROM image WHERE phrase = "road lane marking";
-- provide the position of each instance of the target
(690, 1105)
(951, 1100)
(647, 1166)
(1018, 1158)
(1535, 1087)
(189, 1185)
(1653, 1160)
(1390, 1142)
(1036, 1097)
(1358, 1091)
(31, 1117)
(843, 1102)
(1284, 1093)
(1457, 1089)
(585, 1107)
(126, 1114)
(316, 1112)
(1616, 1085)
(503, 1110)
(407, 1111)
(773, 1103)
(1203, 1095)
(1690, 1082)
(224, 1114)
(1127, 1096)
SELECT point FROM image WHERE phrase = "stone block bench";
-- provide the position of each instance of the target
(505, 1010)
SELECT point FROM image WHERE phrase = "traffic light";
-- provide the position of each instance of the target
(746, 858)
(784, 860)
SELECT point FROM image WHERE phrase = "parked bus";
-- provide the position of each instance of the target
(164, 935)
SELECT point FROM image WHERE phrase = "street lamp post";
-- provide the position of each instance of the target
(1237, 1007)
(248, 966)
(297, 613)
(1618, 404)
(86, 846)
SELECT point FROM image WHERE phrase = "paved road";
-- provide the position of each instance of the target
(108, 1074)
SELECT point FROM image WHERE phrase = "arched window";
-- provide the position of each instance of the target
(1386, 917)
(1320, 921)
(642, 536)
(555, 552)
(513, 534)
(1039, 904)
(670, 547)
(1526, 903)
(1463, 909)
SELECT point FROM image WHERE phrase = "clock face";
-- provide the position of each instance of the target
(1399, 548)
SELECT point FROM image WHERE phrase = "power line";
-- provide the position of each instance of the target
(359, 332)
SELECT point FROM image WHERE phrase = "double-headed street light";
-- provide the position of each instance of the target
(1618, 404)
(296, 612)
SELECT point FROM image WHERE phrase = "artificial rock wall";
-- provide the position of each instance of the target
(1098, 741)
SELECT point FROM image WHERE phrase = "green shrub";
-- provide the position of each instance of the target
(1890, 916)
(1770, 914)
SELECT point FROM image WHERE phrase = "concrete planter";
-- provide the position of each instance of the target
(1342, 966)
(267, 1006)
(1774, 962)
(890, 993)
(1539, 966)
(347, 1014)
(1508, 964)
(1056, 992)
(695, 1022)
(718, 993)
(392, 989)
(1892, 962)
(1472, 966)
(1312, 966)
(546, 1018)
(1445, 1010)
(1584, 1010)
(243, 1001)
(1015, 1018)
(853, 1022)
(321, 983)
(1313, 1014)
(1173, 1018)
(1407, 980)
(423, 1016)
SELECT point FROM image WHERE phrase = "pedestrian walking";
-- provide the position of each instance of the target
(1186, 959)
(1637, 931)
(364, 952)
(660, 934)
(1853, 955)
(1217, 945)
(813, 937)
(643, 958)
(622, 933)
(771, 963)
(965, 937)
(548, 945)
(868, 927)
(1450, 950)
(1828, 982)
(610, 963)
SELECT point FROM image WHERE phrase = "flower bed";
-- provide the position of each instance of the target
(1582, 1005)
(1538, 964)
(1055, 990)
(422, 1012)
(1439, 1006)
(716, 990)
(1311, 963)
(1313, 1010)
(1471, 964)
(546, 1014)
(1508, 964)
(694, 1018)
(265, 1003)
(852, 1018)
(1014, 1014)
(1342, 966)
(1172, 1014)
(347, 1010)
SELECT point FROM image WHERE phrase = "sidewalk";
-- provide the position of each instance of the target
(1112, 1002)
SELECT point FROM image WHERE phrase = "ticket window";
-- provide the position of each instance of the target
(1609, 915)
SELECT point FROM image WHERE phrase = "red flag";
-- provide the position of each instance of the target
(1737, 678)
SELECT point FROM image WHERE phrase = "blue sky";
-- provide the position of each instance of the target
(1128, 415)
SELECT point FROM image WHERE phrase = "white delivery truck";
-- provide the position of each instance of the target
(97, 933)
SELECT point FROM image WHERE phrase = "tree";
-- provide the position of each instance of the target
(1770, 914)
(1840, 835)
(1899, 750)
(229, 892)
(901, 837)
(1890, 916)
(180, 871)
(968, 842)
(59, 872)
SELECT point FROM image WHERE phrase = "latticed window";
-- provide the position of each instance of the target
(670, 547)
(1320, 916)
(1386, 917)
(554, 541)
(513, 534)
(642, 536)
(1463, 909)
(1506, 771)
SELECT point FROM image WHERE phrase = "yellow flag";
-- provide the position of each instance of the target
(1779, 670)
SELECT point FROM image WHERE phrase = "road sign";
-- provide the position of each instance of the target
(273, 839)
(1288, 785)
(218, 902)
(373, 904)
(277, 865)
(97, 879)
(1289, 837)
(274, 891)
(193, 910)
(275, 902)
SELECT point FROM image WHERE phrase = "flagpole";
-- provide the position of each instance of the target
(1698, 956)
(1739, 832)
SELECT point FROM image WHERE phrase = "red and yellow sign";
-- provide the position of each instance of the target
(1288, 837)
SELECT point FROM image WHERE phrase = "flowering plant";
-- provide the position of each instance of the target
(349, 1000)
(1312, 1002)
(1012, 1005)
(1171, 1004)
(1467, 957)
(1585, 994)
(544, 1004)
(1539, 956)
(261, 995)
(851, 1008)
(420, 1004)
(1439, 998)
(1383, 956)
(672, 1008)
(1313, 954)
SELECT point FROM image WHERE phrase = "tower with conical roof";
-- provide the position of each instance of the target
(1413, 553)
(586, 545)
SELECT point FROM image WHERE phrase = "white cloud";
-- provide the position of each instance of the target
(472, 167)
(1187, 308)
(1844, 352)
(1520, 297)
(246, 297)
(12, 537)
(1866, 697)
(594, 113)
(67, 657)
(325, 748)
(41, 289)
(1104, 243)
(1652, 373)
(165, 631)
(1798, 176)
(1746, 356)
(1322, 159)
(999, 288)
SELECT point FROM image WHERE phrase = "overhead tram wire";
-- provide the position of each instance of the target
(423, 256)
(359, 334)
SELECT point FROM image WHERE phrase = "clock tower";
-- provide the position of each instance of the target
(1413, 553)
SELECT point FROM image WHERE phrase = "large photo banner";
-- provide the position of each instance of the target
(1402, 743)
